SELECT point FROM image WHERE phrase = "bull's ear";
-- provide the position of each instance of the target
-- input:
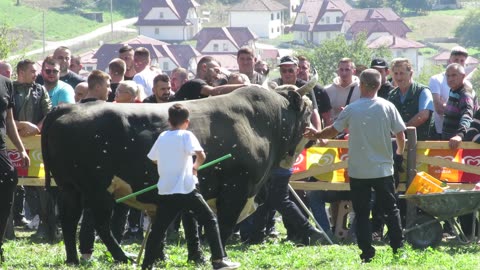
(295, 100)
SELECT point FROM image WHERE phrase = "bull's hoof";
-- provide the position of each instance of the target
(73, 261)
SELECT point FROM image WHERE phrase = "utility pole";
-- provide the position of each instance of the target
(43, 31)
(111, 14)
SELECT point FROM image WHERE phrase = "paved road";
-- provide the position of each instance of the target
(117, 26)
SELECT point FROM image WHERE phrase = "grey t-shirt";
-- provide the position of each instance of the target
(370, 123)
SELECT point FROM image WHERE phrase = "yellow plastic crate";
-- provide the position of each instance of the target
(424, 183)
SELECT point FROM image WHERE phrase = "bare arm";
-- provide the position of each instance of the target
(327, 120)
(400, 138)
(26, 128)
(325, 133)
(208, 90)
(419, 118)
(15, 138)
(315, 119)
(198, 161)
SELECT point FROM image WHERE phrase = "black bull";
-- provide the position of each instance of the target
(86, 145)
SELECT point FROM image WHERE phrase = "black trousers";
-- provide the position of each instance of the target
(8, 183)
(361, 193)
(168, 208)
(278, 198)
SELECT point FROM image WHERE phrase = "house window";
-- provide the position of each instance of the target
(272, 30)
(225, 47)
(272, 16)
(339, 20)
(328, 20)
(215, 47)
(157, 31)
(165, 66)
(322, 20)
(328, 35)
(278, 16)
(278, 29)
(160, 15)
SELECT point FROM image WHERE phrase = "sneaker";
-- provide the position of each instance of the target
(33, 224)
(225, 264)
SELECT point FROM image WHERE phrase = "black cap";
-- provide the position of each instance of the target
(288, 60)
(378, 63)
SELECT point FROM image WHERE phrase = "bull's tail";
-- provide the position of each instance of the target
(49, 120)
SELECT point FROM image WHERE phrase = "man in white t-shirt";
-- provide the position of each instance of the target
(344, 89)
(145, 74)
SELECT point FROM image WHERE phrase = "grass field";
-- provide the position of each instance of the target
(58, 25)
(25, 253)
(440, 23)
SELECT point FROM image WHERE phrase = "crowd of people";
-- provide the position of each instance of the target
(444, 110)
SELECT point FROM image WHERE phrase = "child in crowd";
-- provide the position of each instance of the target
(172, 152)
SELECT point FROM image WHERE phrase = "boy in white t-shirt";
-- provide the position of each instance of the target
(172, 152)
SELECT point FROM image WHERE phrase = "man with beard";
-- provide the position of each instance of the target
(161, 90)
(32, 104)
(59, 91)
(208, 70)
(63, 57)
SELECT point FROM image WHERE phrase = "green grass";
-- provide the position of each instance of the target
(58, 25)
(24, 253)
(440, 23)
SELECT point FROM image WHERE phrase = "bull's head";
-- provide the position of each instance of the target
(299, 113)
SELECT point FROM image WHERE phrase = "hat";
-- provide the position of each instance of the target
(378, 63)
(288, 60)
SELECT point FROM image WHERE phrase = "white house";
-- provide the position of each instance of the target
(169, 20)
(263, 17)
(319, 20)
(224, 40)
(401, 47)
(292, 6)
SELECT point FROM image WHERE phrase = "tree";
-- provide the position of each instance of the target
(468, 30)
(7, 42)
(326, 56)
(371, 4)
(476, 81)
(427, 72)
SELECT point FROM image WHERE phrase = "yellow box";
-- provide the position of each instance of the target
(423, 183)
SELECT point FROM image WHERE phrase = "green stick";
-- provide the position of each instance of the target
(208, 164)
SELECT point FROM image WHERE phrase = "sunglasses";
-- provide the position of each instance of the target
(50, 71)
(290, 70)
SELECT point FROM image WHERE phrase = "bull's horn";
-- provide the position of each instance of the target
(309, 86)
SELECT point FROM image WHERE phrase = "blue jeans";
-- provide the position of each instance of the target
(317, 204)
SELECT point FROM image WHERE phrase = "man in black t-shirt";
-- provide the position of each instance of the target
(321, 96)
(381, 66)
(8, 175)
(208, 70)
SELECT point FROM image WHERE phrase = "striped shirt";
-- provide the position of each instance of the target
(458, 114)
